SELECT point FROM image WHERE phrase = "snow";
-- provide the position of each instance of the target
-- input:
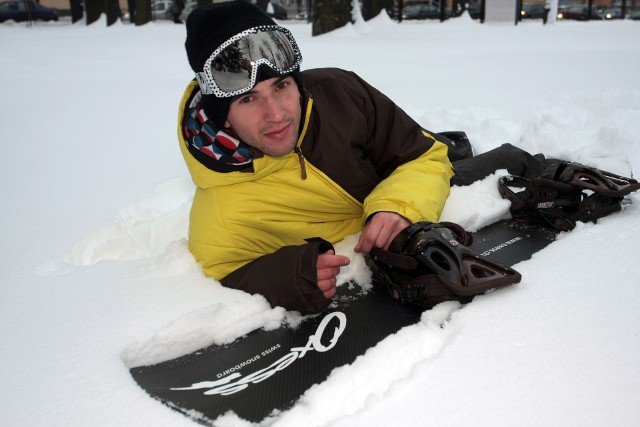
(96, 276)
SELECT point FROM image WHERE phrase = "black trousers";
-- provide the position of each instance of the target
(513, 159)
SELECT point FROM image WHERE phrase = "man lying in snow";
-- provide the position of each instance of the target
(287, 163)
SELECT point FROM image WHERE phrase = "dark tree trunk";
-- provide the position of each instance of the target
(131, 4)
(113, 11)
(77, 11)
(93, 9)
(372, 8)
(143, 12)
(329, 15)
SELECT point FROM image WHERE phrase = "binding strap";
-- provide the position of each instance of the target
(428, 263)
(555, 204)
(596, 180)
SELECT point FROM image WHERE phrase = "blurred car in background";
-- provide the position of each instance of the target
(475, 10)
(611, 13)
(421, 11)
(635, 15)
(532, 11)
(577, 13)
(161, 9)
(21, 10)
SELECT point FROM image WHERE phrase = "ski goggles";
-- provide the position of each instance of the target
(232, 68)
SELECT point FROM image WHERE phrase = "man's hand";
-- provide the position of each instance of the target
(328, 266)
(380, 231)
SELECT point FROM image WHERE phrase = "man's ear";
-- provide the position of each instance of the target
(227, 125)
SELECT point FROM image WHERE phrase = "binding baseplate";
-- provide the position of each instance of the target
(565, 194)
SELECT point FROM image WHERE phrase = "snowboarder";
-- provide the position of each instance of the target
(286, 163)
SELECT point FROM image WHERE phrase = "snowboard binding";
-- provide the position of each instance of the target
(566, 193)
(601, 182)
(428, 263)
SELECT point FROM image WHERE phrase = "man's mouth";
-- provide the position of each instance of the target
(279, 132)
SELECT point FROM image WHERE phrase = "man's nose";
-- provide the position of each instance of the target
(273, 109)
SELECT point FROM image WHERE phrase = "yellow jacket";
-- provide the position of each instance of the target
(326, 188)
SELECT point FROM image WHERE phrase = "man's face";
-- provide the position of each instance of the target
(268, 116)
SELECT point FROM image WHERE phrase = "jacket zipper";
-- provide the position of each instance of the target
(303, 168)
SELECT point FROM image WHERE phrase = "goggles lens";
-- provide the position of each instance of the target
(232, 68)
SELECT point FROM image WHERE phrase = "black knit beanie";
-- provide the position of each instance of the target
(210, 26)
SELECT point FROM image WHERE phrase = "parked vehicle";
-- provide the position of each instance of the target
(421, 11)
(532, 11)
(635, 15)
(161, 10)
(21, 10)
(612, 13)
(578, 13)
(475, 10)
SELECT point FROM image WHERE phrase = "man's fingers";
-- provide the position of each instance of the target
(380, 231)
(328, 260)
(327, 284)
(327, 273)
(328, 267)
(374, 235)
(330, 290)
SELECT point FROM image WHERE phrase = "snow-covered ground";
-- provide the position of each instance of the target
(95, 275)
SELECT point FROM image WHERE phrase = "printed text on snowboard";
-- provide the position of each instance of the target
(236, 382)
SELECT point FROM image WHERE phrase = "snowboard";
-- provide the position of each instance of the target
(266, 372)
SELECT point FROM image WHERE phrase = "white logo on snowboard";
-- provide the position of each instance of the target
(229, 385)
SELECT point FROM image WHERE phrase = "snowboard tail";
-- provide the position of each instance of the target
(267, 371)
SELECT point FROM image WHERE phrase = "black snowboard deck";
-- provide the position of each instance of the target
(267, 371)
